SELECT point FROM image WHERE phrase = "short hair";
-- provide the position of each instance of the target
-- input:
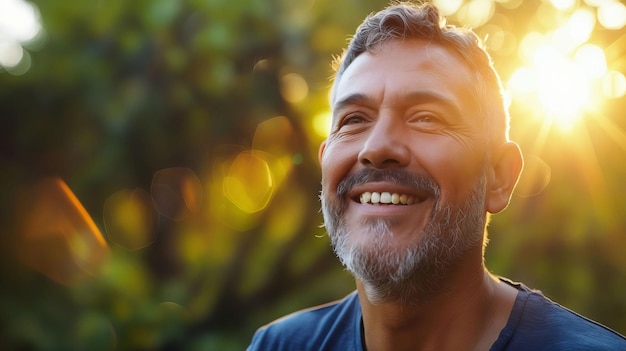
(405, 20)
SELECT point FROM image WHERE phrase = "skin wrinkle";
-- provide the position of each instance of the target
(419, 268)
(395, 176)
(486, 86)
(446, 110)
(387, 273)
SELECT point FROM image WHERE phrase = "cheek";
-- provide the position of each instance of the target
(453, 166)
(336, 163)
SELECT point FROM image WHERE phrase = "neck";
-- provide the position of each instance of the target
(471, 309)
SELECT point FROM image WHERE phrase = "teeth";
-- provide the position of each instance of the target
(395, 198)
(375, 198)
(366, 197)
(386, 198)
(403, 199)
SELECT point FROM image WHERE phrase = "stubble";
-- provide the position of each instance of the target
(389, 273)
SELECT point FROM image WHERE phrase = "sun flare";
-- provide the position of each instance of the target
(562, 87)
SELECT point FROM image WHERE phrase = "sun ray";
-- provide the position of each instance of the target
(617, 48)
(542, 136)
(615, 132)
(590, 170)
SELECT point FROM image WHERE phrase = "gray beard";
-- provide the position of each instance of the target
(405, 274)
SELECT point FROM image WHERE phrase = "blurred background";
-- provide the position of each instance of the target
(159, 163)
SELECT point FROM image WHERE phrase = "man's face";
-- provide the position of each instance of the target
(403, 169)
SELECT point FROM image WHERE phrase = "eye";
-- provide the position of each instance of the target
(352, 119)
(427, 121)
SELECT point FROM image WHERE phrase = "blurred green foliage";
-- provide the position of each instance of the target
(121, 90)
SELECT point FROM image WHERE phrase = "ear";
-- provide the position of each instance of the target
(506, 166)
(320, 153)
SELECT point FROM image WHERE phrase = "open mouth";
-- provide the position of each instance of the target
(386, 198)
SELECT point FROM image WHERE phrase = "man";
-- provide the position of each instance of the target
(417, 158)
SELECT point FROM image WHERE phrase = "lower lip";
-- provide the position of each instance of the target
(384, 209)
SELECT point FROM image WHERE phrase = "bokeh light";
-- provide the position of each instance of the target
(276, 136)
(579, 27)
(448, 7)
(250, 183)
(176, 193)
(475, 13)
(20, 23)
(563, 5)
(130, 219)
(254, 175)
(11, 54)
(612, 14)
(293, 87)
(321, 124)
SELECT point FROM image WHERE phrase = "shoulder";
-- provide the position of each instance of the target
(333, 326)
(541, 324)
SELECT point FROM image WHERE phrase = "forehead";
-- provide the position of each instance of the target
(408, 67)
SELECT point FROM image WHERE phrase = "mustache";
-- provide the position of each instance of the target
(397, 176)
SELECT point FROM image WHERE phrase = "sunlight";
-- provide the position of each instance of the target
(560, 79)
(591, 60)
(561, 86)
(579, 26)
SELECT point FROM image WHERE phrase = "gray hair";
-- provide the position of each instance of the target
(404, 20)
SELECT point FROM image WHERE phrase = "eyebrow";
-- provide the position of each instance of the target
(411, 98)
(352, 99)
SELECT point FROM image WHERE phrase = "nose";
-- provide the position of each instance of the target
(386, 145)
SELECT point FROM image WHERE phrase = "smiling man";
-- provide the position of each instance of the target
(417, 158)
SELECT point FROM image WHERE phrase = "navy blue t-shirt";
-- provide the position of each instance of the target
(536, 323)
